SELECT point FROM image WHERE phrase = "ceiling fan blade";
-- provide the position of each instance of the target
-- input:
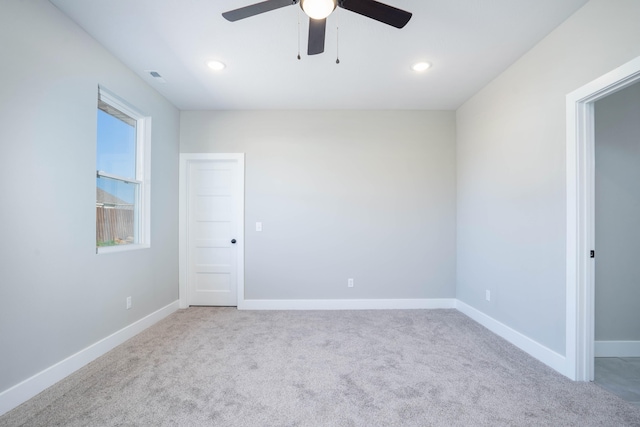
(256, 9)
(379, 11)
(317, 29)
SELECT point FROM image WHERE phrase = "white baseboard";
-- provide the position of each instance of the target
(28, 388)
(524, 343)
(347, 304)
(617, 348)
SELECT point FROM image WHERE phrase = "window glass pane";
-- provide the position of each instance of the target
(116, 212)
(116, 152)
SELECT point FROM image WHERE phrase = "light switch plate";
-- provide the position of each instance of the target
(258, 226)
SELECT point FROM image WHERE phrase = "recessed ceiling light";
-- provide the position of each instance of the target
(420, 66)
(216, 65)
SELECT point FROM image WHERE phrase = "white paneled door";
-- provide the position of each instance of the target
(214, 199)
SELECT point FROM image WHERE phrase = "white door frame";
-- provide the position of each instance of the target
(580, 310)
(183, 221)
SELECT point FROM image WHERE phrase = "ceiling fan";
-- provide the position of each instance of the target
(318, 10)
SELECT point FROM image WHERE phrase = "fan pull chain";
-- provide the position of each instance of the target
(337, 38)
(298, 35)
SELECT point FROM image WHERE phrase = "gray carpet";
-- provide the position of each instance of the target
(223, 367)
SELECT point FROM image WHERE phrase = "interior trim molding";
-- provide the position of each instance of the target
(346, 304)
(617, 348)
(28, 388)
(523, 342)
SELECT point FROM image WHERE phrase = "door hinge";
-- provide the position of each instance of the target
(592, 254)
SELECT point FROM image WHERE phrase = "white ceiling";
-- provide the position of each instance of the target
(468, 43)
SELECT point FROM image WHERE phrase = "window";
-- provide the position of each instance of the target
(122, 175)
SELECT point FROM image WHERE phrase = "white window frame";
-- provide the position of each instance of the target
(142, 178)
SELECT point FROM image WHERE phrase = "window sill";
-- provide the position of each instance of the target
(120, 248)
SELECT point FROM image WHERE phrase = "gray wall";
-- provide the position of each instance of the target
(362, 194)
(511, 182)
(617, 206)
(56, 295)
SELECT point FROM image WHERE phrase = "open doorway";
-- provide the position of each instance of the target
(580, 238)
(617, 233)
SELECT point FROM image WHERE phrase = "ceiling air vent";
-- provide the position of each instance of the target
(156, 76)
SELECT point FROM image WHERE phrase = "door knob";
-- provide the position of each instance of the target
(233, 241)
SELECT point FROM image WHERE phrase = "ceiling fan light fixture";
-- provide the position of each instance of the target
(420, 66)
(318, 9)
(216, 65)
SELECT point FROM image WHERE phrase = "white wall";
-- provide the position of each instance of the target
(511, 171)
(56, 295)
(617, 210)
(362, 194)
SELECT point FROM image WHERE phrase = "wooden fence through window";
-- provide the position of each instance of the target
(114, 225)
